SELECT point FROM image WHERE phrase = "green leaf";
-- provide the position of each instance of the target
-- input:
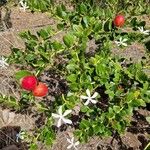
(30, 57)
(60, 12)
(78, 133)
(110, 113)
(148, 119)
(138, 102)
(36, 5)
(130, 97)
(44, 56)
(85, 124)
(42, 33)
(68, 40)
(72, 77)
(82, 8)
(107, 25)
(97, 27)
(47, 135)
(129, 111)
(87, 110)
(74, 86)
(116, 109)
(60, 26)
(134, 21)
(21, 74)
(45, 33)
(84, 78)
(119, 127)
(28, 36)
(85, 21)
(57, 46)
(84, 109)
(99, 128)
(110, 93)
(141, 76)
(33, 146)
(142, 23)
(72, 67)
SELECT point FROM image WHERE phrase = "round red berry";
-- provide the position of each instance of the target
(29, 82)
(119, 21)
(40, 90)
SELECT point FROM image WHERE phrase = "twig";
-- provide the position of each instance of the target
(7, 136)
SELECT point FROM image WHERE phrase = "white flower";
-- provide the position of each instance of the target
(121, 42)
(73, 144)
(20, 135)
(146, 32)
(61, 117)
(3, 63)
(23, 5)
(89, 97)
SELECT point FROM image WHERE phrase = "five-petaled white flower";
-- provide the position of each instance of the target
(121, 42)
(146, 32)
(3, 63)
(20, 135)
(23, 5)
(73, 144)
(89, 97)
(61, 117)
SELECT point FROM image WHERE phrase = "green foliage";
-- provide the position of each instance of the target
(21, 74)
(148, 119)
(68, 40)
(122, 86)
(39, 5)
(9, 101)
(39, 50)
(147, 146)
(47, 134)
(33, 146)
(123, 92)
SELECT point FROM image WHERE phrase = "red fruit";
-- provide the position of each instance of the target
(29, 82)
(119, 21)
(40, 90)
